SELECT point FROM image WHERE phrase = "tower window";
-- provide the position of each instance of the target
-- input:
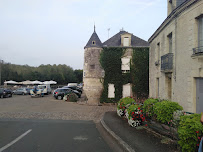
(93, 42)
(92, 67)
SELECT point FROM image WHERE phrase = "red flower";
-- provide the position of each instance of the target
(139, 108)
(133, 113)
(146, 125)
(197, 144)
(197, 132)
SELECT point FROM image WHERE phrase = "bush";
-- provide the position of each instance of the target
(164, 111)
(148, 107)
(189, 131)
(72, 97)
(132, 109)
(123, 104)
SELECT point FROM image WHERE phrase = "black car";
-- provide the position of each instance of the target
(74, 88)
(5, 93)
(61, 92)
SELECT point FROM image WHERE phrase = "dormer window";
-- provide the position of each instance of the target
(126, 41)
(93, 42)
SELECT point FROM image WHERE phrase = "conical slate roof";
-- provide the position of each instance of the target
(94, 41)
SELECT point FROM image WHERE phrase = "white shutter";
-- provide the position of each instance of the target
(111, 91)
(125, 63)
(126, 41)
(126, 90)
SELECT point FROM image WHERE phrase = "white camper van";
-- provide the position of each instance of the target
(45, 88)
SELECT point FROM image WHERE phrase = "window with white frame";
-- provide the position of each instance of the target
(126, 41)
(125, 67)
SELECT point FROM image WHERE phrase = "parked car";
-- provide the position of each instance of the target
(61, 92)
(5, 93)
(74, 88)
(72, 84)
(21, 91)
(45, 88)
(80, 85)
(1, 92)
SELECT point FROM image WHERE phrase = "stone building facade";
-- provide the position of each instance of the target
(92, 71)
(176, 56)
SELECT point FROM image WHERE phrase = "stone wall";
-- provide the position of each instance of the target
(186, 68)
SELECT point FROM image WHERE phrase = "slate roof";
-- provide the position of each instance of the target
(115, 41)
(94, 38)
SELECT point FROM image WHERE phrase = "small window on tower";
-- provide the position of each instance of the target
(92, 67)
(93, 42)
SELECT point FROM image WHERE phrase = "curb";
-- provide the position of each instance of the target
(119, 140)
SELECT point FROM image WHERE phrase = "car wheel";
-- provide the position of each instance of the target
(23, 94)
(59, 97)
(1, 96)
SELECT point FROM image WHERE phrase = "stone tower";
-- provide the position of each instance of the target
(92, 70)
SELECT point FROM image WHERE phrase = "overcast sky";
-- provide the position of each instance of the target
(36, 32)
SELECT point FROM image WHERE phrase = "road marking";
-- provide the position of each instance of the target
(80, 138)
(14, 141)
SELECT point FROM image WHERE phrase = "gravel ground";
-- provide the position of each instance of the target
(49, 108)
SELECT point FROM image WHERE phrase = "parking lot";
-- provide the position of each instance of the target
(47, 107)
(47, 124)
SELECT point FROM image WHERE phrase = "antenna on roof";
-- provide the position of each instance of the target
(94, 27)
(122, 29)
(108, 31)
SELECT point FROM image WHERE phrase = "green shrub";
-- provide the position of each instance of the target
(124, 103)
(72, 97)
(148, 107)
(164, 110)
(189, 130)
(132, 108)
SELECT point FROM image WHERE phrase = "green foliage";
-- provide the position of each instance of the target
(132, 108)
(63, 74)
(124, 103)
(140, 72)
(164, 110)
(148, 106)
(72, 97)
(190, 128)
(110, 60)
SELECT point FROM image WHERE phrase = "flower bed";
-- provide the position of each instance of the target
(123, 104)
(165, 117)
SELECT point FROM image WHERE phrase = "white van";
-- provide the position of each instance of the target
(45, 88)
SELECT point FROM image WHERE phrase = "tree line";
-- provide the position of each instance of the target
(61, 73)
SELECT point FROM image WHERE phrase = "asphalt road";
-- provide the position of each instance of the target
(19, 135)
